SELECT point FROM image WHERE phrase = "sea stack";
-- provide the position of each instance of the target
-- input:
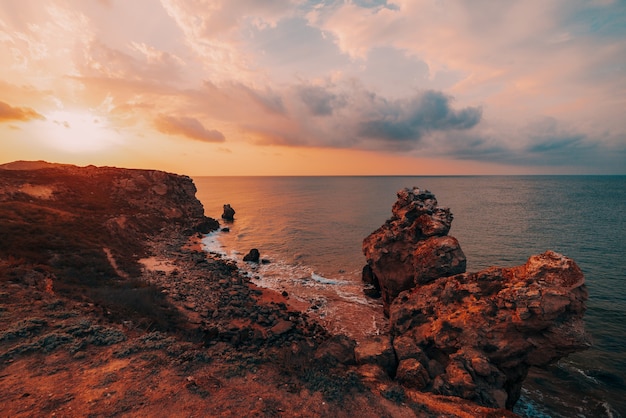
(412, 247)
(229, 213)
(471, 335)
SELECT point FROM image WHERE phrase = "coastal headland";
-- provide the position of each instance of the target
(110, 307)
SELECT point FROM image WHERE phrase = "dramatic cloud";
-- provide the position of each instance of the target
(319, 100)
(530, 84)
(188, 127)
(10, 113)
(410, 119)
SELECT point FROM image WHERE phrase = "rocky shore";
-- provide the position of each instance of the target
(471, 335)
(108, 306)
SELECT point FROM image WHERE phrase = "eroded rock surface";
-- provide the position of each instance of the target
(412, 247)
(471, 335)
(477, 334)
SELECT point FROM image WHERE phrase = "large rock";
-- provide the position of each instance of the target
(229, 213)
(412, 247)
(253, 256)
(377, 350)
(476, 335)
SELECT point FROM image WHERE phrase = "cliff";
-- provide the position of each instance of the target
(54, 212)
(472, 335)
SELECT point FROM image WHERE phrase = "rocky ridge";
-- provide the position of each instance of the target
(472, 335)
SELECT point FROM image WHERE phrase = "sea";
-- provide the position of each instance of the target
(309, 231)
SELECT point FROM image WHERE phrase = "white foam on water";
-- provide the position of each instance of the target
(211, 243)
(321, 279)
(609, 411)
(579, 371)
(337, 301)
(526, 407)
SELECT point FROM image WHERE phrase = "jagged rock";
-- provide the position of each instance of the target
(229, 213)
(412, 247)
(412, 373)
(379, 351)
(371, 287)
(253, 256)
(477, 334)
(339, 349)
(207, 226)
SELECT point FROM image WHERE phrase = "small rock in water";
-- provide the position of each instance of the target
(229, 213)
(252, 256)
(265, 261)
(225, 229)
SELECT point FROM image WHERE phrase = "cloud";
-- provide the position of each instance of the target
(319, 100)
(346, 114)
(10, 113)
(410, 119)
(189, 127)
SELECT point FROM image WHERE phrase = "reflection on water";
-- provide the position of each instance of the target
(312, 227)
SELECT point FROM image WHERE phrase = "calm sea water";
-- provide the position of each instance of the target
(311, 229)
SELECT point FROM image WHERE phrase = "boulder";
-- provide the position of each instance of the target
(411, 373)
(253, 255)
(412, 247)
(229, 213)
(339, 349)
(477, 334)
(377, 350)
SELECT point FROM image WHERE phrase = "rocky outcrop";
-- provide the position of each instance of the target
(412, 247)
(471, 335)
(253, 256)
(229, 213)
(477, 334)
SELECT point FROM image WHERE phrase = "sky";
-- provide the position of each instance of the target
(316, 87)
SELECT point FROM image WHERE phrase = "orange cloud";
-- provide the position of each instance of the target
(10, 113)
(189, 127)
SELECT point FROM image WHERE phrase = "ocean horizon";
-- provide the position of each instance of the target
(311, 228)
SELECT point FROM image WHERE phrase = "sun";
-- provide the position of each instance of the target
(79, 131)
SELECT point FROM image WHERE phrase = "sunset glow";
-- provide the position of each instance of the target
(286, 87)
(78, 132)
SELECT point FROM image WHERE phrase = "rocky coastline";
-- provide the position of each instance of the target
(472, 335)
(109, 306)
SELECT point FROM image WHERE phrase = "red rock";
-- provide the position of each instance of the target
(488, 328)
(379, 351)
(337, 349)
(413, 374)
(412, 247)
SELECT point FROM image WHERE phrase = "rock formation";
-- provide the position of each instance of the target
(412, 247)
(253, 256)
(471, 335)
(477, 334)
(229, 213)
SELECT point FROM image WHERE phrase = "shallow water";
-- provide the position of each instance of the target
(311, 229)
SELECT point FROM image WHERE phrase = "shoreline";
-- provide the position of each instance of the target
(185, 333)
